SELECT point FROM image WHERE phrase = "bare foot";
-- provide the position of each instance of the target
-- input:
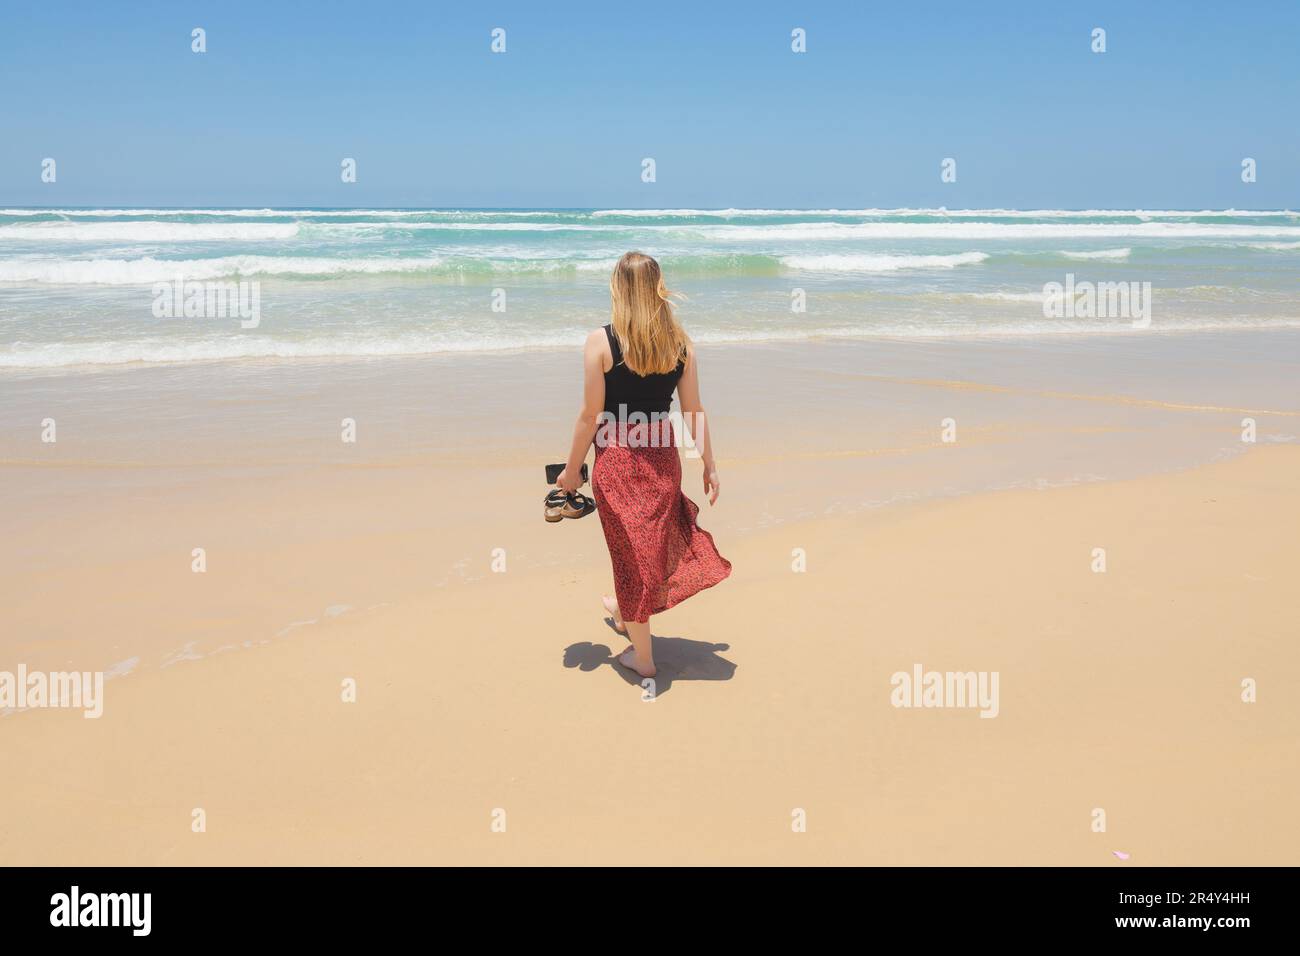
(611, 608)
(628, 660)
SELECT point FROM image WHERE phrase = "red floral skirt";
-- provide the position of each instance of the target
(660, 555)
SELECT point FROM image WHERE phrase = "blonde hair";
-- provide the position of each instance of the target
(651, 338)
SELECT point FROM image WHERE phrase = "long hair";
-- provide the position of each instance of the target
(652, 339)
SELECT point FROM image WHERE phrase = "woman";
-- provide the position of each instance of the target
(631, 366)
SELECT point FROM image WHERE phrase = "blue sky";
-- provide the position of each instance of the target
(711, 91)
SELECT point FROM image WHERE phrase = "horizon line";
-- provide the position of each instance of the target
(636, 209)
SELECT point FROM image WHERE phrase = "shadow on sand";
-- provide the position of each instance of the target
(677, 658)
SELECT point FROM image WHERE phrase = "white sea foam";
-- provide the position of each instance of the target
(147, 270)
(350, 227)
(138, 271)
(954, 229)
(348, 346)
(881, 263)
(228, 347)
(741, 213)
(264, 213)
(940, 211)
(1009, 296)
(1189, 293)
(817, 231)
(802, 231)
(148, 231)
(1099, 254)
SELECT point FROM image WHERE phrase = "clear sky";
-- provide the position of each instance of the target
(710, 90)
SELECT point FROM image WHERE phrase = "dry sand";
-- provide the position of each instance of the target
(489, 697)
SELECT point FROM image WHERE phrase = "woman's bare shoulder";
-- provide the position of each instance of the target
(597, 345)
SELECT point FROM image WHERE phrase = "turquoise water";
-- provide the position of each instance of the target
(78, 288)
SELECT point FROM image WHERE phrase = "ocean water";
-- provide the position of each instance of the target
(79, 288)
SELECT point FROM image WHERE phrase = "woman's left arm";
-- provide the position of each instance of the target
(593, 403)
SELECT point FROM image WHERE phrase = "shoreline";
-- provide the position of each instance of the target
(1010, 338)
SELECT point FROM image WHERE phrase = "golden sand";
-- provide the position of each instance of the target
(489, 725)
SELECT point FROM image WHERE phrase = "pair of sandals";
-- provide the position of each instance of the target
(559, 505)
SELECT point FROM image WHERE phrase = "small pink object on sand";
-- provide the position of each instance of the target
(1120, 853)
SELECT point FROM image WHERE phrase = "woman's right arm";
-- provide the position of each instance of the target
(697, 422)
(593, 403)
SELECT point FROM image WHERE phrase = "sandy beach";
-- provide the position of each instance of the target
(489, 723)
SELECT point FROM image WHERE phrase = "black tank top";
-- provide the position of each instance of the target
(640, 393)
